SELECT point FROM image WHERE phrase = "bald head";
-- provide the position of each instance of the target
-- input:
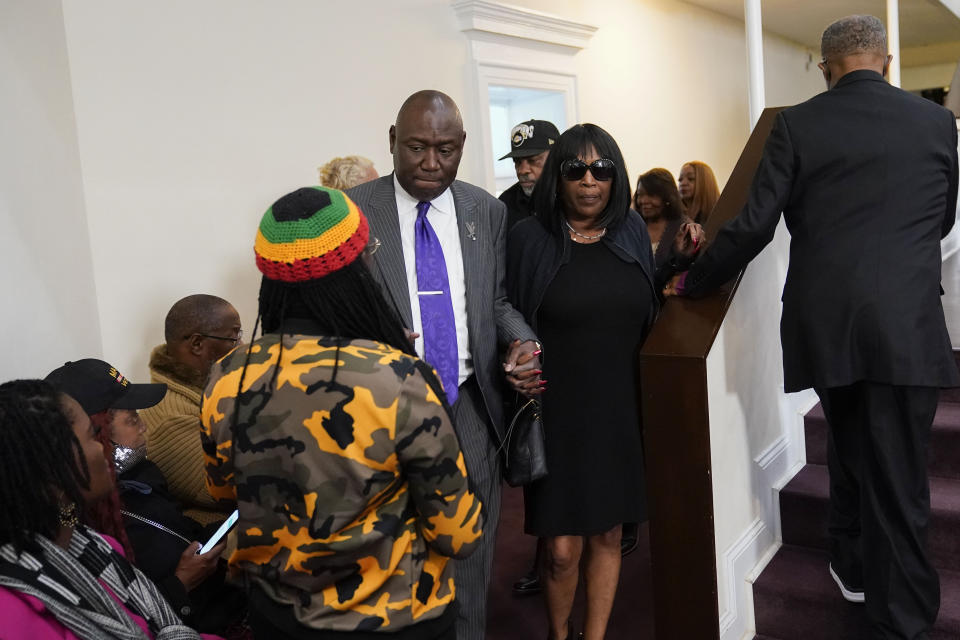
(199, 313)
(851, 44)
(200, 329)
(427, 143)
(429, 100)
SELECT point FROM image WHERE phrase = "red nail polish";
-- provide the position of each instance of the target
(542, 383)
(538, 371)
(537, 352)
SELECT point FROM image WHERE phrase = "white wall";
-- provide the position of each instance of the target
(50, 311)
(669, 81)
(194, 117)
(928, 76)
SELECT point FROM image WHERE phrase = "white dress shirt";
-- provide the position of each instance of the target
(442, 215)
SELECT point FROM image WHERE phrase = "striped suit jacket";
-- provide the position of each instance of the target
(491, 319)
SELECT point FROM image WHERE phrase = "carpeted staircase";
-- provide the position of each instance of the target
(795, 598)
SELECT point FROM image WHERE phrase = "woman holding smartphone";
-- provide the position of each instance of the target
(60, 579)
(140, 511)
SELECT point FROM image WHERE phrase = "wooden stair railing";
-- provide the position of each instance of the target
(676, 427)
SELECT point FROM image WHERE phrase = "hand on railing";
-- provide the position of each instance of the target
(689, 239)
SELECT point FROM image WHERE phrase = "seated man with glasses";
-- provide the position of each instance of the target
(199, 330)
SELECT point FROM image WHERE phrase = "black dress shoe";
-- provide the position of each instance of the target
(630, 538)
(528, 585)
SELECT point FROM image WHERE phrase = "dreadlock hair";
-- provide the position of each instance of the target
(42, 465)
(346, 304)
(104, 515)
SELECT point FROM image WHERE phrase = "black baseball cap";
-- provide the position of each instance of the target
(530, 138)
(98, 386)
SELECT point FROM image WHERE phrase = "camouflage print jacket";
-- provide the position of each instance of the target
(353, 493)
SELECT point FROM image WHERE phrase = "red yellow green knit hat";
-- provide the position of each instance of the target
(308, 234)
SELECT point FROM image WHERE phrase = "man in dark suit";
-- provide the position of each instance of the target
(866, 177)
(441, 260)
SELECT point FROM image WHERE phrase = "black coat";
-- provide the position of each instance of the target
(519, 205)
(213, 604)
(866, 177)
(534, 255)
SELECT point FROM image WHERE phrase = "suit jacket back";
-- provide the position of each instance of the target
(866, 177)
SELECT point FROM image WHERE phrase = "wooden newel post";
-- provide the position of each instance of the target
(676, 425)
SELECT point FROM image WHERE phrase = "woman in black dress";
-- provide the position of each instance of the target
(581, 270)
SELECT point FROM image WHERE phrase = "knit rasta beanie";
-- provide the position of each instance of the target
(308, 234)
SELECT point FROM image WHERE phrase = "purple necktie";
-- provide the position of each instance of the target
(436, 305)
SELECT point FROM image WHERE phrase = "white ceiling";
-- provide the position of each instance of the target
(922, 22)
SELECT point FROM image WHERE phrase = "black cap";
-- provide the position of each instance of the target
(530, 138)
(97, 386)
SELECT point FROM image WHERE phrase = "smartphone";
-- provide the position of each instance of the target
(219, 533)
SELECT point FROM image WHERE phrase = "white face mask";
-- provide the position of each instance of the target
(126, 458)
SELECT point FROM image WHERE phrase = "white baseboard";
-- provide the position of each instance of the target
(743, 561)
(739, 560)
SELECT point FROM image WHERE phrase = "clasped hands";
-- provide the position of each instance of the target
(522, 368)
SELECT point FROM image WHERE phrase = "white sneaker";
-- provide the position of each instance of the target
(850, 594)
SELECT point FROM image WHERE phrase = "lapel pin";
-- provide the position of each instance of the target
(472, 230)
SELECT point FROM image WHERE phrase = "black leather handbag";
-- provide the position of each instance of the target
(525, 458)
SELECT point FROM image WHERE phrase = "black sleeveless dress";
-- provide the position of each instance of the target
(591, 323)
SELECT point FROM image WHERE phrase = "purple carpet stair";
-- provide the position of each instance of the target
(795, 598)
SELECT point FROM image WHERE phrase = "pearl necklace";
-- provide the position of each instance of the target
(602, 233)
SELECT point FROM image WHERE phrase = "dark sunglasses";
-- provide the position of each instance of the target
(602, 169)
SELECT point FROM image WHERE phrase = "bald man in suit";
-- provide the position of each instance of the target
(441, 261)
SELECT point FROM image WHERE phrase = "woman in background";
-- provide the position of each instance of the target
(346, 173)
(58, 578)
(142, 511)
(699, 191)
(658, 201)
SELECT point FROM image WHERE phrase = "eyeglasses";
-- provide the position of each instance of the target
(235, 341)
(602, 169)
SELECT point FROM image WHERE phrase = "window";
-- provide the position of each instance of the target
(509, 106)
(522, 66)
